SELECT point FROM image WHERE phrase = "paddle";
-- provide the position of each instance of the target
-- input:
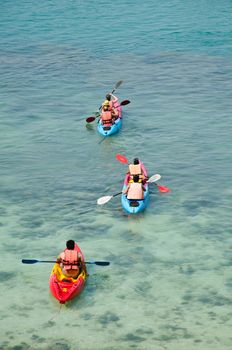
(163, 189)
(97, 114)
(34, 261)
(106, 199)
(116, 86)
(124, 160)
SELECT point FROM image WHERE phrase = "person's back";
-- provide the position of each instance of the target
(136, 169)
(111, 101)
(135, 189)
(69, 260)
(106, 115)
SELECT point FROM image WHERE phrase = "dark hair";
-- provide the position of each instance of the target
(70, 244)
(108, 97)
(136, 161)
(136, 178)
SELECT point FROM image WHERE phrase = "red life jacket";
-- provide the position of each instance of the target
(70, 259)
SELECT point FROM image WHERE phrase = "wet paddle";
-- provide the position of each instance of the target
(122, 159)
(97, 114)
(34, 261)
(163, 189)
(117, 86)
(106, 199)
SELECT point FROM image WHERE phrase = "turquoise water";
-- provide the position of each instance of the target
(169, 284)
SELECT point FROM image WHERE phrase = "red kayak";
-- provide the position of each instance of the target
(65, 288)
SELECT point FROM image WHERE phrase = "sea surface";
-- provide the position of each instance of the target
(169, 282)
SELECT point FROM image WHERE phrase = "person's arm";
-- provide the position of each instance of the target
(126, 190)
(82, 265)
(115, 99)
(58, 260)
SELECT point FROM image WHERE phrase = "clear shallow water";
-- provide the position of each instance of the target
(169, 283)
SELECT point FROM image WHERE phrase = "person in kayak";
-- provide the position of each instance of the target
(135, 190)
(106, 115)
(136, 169)
(71, 261)
(112, 102)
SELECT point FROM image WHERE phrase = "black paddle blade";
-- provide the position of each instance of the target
(29, 261)
(102, 263)
(125, 102)
(118, 84)
(90, 119)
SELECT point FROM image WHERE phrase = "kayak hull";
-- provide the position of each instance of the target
(65, 288)
(133, 206)
(108, 130)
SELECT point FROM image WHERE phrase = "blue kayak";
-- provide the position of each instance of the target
(108, 130)
(111, 129)
(134, 206)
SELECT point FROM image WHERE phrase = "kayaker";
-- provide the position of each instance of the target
(106, 115)
(136, 169)
(71, 261)
(135, 190)
(112, 101)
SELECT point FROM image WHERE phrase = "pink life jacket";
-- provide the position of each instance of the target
(135, 191)
(113, 108)
(135, 169)
(111, 105)
(106, 117)
(70, 259)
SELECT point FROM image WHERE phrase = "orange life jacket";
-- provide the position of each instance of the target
(135, 191)
(106, 117)
(70, 259)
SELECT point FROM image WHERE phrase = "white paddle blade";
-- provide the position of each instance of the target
(154, 178)
(104, 200)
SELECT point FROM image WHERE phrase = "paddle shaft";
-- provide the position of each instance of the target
(117, 194)
(34, 261)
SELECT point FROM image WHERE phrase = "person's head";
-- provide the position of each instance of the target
(136, 161)
(136, 178)
(105, 108)
(70, 244)
(106, 104)
(108, 97)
